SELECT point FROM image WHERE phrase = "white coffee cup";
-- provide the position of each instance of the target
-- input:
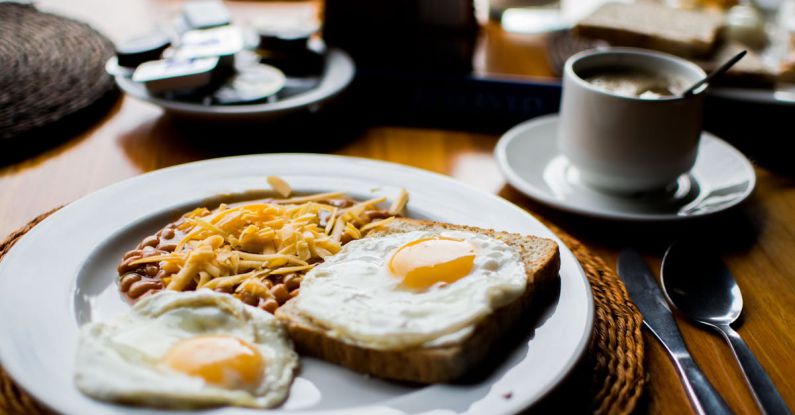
(623, 143)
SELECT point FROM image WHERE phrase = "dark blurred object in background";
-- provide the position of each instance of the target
(763, 132)
(418, 35)
(414, 61)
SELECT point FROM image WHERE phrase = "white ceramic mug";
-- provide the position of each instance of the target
(628, 144)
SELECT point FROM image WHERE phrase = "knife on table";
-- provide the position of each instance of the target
(657, 317)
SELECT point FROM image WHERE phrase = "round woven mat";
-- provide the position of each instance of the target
(52, 67)
(616, 350)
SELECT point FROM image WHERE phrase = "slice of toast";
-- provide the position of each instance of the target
(433, 364)
(687, 33)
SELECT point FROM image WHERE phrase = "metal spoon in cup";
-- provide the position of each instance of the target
(717, 72)
(701, 286)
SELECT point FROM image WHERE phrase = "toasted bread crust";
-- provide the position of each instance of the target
(432, 364)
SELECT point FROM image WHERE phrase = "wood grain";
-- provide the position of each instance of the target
(756, 240)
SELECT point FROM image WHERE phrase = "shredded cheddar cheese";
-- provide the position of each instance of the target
(239, 248)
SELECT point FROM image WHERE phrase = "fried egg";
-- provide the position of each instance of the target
(411, 289)
(185, 350)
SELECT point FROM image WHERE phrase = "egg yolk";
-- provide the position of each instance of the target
(428, 261)
(223, 361)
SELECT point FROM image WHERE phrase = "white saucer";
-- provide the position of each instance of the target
(528, 157)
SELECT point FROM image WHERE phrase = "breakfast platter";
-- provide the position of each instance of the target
(68, 301)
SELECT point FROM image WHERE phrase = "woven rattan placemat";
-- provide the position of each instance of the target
(52, 67)
(616, 349)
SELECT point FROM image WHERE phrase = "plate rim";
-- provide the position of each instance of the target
(573, 359)
(519, 183)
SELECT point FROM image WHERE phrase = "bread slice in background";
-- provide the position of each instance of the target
(696, 35)
(439, 363)
(686, 33)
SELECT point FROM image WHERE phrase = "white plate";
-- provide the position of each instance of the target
(62, 274)
(528, 157)
(337, 74)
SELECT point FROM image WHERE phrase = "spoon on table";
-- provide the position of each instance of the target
(715, 73)
(701, 286)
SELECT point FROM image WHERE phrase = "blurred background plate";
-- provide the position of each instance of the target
(338, 72)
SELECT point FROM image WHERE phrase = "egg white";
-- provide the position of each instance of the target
(120, 360)
(355, 297)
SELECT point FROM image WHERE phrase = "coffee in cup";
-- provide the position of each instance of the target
(635, 82)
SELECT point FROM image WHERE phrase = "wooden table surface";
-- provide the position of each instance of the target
(757, 240)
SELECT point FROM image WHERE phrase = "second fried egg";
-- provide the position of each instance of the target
(185, 350)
